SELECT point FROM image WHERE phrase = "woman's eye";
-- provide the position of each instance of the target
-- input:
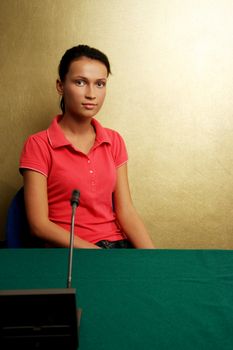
(101, 84)
(80, 82)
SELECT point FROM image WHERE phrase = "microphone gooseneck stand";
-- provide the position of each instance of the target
(74, 203)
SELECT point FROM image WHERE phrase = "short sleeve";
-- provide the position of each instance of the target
(119, 150)
(35, 155)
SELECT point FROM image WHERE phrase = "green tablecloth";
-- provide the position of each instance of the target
(137, 299)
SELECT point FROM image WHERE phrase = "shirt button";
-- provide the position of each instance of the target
(88, 161)
(91, 171)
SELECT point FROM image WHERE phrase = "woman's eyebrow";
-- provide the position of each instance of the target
(85, 78)
(80, 77)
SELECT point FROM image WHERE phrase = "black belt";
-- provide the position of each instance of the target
(124, 243)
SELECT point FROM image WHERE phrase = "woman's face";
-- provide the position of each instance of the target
(84, 87)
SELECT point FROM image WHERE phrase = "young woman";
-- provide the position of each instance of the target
(77, 152)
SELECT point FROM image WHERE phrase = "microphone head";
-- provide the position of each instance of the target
(75, 197)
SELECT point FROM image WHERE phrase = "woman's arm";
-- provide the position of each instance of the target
(127, 216)
(36, 203)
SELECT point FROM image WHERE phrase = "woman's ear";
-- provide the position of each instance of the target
(59, 87)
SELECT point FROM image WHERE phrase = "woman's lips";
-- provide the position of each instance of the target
(89, 105)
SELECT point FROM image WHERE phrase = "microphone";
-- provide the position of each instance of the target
(75, 198)
(74, 201)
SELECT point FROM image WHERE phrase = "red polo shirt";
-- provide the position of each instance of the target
(94, 175)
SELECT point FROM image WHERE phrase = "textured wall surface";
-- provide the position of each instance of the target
(169, 96)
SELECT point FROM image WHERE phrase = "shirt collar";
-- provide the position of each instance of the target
(101, 133)
(57, 138)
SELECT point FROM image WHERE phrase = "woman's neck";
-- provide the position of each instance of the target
(80, 133)
(76, 126)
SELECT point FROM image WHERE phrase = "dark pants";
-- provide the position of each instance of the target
(116, 244)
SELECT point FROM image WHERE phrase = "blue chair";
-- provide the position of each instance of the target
(17, 228)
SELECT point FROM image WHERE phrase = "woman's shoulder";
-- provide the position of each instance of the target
(118, 146)
(38, 138)
(38, 135)
(113, 134)
(116, 140)
(37, 142)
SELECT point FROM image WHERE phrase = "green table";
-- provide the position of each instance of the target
(137, 299)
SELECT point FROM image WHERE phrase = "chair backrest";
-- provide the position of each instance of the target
(17, 228)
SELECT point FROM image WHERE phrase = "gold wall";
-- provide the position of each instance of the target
(170, 96)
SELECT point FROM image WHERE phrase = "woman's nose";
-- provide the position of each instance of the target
(90, 92)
